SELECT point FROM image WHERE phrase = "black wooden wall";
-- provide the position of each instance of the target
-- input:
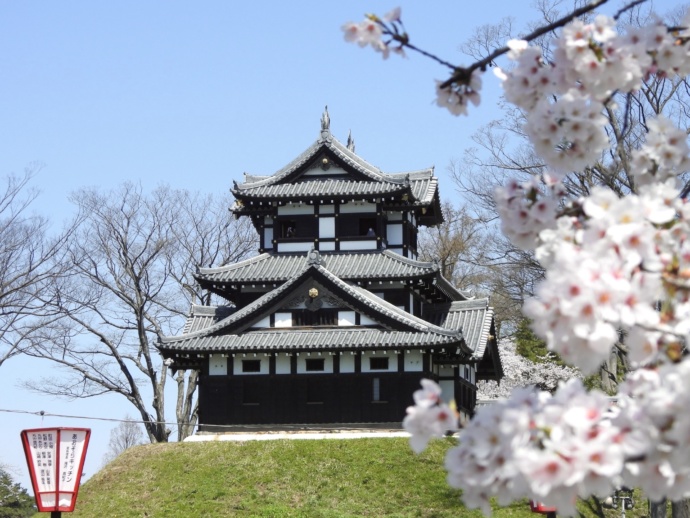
(305, 398)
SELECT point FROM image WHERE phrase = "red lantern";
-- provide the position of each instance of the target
(538, 507)
(56, 460)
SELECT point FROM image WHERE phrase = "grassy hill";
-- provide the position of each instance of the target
(354, 477)
(310, 478)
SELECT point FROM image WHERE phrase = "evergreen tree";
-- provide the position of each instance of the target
(15, 501)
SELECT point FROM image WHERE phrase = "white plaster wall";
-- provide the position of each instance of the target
(264, 322)
(447, 390)
(327, 247)
(217, 365)
(268, 220)
(413, 361)
(347, 362)
(326, 228)
(282, 364)
(295, 209)
(398, 251)
(394, 216)
(302, 363)
(346, 318)
(395, 234)
(366, 321)
(304, 246)
(268, 237)
(237, 364)
(283, 319)
(445, 370)
(356, 207)
(392, 361)
(358, 245)
(326, 209)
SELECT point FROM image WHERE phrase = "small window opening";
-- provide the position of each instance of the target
(251, 365)
(315, 365)
(378, 364)
(288, 228)
(376, 390)
(367, 227)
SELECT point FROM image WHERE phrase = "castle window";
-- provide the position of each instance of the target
(376, 396)
(251, 365)
(367, 227)
(378, 364)
(288, 228)
(321, 317)
(315, 365)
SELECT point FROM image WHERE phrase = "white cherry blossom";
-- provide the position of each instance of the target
(617, 275)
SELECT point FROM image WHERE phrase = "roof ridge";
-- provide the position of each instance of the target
(391, 310)
(328, 141)
(234, 266)
(246, 310)
(408, 260)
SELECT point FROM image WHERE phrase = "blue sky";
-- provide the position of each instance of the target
(193, 94)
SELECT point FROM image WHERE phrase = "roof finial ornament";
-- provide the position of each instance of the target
(313, 257)
(350, 142)
(325, 122)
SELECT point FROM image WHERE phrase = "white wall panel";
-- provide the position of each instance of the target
(347, 362)
(283, 319)
(326, 228)
(295, 209)
(413, 361)
(357, 207)
(282, 364)
(346, 318)
(217, 365)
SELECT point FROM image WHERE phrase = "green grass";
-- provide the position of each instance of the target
(305, 478)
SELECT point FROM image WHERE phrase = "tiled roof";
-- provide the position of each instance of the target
(474, 317)
(378, 305)
(341, 338)
(201, 317)
(321, 188)
(421, 184)
(424, 185)
(358, 298)
(326, 141)
(267, 268)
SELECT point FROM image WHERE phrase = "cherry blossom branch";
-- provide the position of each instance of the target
(462, 74)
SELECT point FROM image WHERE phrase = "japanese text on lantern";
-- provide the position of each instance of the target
(43, 445)
(69, 457)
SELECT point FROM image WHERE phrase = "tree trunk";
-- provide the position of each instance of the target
(187, 406)
(609, 382)
(657, 509)
(680, 509)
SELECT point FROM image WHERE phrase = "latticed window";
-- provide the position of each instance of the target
(321, 317)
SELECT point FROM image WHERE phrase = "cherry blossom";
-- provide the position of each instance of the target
(617, 274)
(520, 372)
(367, 32)
(455, 96)
(429, 417)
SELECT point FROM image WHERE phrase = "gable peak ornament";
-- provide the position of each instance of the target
(350, 142)
(314, 257)
(325, 123)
